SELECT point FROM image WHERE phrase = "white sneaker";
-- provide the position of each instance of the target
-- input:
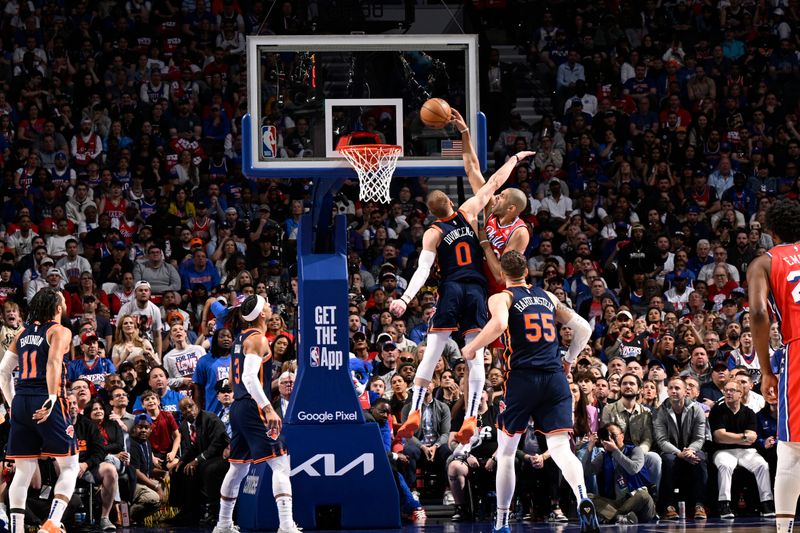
(291, 529)
(419, 517)
(226, 529)
(106, 524)
(448, 498)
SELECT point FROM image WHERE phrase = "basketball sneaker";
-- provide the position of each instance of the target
(419, 517)
(468, 429)
(504, 529)
(410, 426)
(50, 527)
(291, 528)
(588, 517)
(226, 529)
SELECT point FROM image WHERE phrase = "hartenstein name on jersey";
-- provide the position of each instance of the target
(31, 339)
(527, 301)
(458, 233)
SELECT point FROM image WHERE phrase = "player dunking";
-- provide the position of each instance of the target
(452, 242)
(40, 423)
(778, 272)
(536, 386)
(504, 230)
(255, 426)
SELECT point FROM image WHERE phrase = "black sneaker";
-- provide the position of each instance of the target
(725, 511)
(768, 509)
(461, 514)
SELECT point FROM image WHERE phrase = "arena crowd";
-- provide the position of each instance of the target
(673, 127)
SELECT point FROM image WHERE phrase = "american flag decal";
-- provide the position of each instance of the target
(451, 148)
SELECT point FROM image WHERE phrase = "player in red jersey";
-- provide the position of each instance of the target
(778, 272)
(504, 230)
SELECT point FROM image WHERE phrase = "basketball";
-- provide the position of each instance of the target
(435, 113)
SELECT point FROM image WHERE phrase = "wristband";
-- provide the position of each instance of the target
(516, 157)
(484, 241)
(394, 456)
(403, 298)
(465, 130)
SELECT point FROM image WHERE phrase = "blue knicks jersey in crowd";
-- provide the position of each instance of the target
(530, 338)
(32, 353)
(237, 368)
(459, 256)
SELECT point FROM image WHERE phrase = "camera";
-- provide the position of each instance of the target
(603, 434)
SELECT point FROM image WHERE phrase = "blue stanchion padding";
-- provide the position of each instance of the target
(323, 391)
(337, 459)
(332, 464)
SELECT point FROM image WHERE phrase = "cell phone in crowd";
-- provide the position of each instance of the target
(602, 434)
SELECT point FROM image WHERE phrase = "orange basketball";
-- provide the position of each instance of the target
(435, 113)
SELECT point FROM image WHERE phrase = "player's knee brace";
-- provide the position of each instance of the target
(281, 485)
(69, 467)
(233, 479)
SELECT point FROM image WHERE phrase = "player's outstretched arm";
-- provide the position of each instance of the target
(471, 163)
(498, 307)
(430, 242)
(9, 363)
(758, 291)
(475, 205)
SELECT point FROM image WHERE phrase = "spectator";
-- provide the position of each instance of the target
(636, 423)
(428, 447)
(147, 314)
(90, 367)
(181, 361)
(157, 382)
(285, 387)
(210, 369)
(734, 428)
(159, 274)
(679, 429)
(623, 480)
(198, 477)
(114, 459)
(149, 493)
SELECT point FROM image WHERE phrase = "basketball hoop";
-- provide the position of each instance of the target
(375, 164)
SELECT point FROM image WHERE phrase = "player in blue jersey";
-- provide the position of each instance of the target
(40, 422)
(453, 243)
(255, 425)
(536, 385)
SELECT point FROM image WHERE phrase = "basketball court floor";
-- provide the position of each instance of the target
(740, 525)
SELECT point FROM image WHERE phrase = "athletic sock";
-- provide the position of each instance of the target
(502, 517)
(476, 381)
(17, 521)
(418, 397)
(57, 509)
(284, 504)
(226, 511)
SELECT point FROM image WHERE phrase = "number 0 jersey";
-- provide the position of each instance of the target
(33, 350)
(237, 368)
(785, 284)
(459, 256)
(530, 338)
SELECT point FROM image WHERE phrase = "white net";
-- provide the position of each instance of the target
(375, 164)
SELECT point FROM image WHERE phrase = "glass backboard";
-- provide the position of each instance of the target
(306, 92)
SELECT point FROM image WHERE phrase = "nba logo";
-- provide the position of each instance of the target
(269, 141)
(314, 356)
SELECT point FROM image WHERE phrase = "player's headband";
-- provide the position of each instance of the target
(260, 303)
